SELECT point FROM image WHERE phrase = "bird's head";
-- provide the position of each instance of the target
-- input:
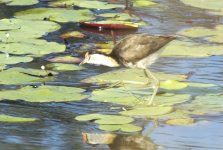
(99, 59)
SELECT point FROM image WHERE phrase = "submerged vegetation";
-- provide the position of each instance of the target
(24, 40)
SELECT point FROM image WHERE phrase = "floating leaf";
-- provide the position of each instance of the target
(105, 119)
(136, 96)
(112, 24)
(213, 35)
(129, 76)
(206, 4)
(124, 128)
(60, 66)
(23, 76)
(73, 34)
(56, 14)
(88, 117)
(33, 47)
(24, 30)
(19, 2)
(44, 94)
(170, 99)
(119, 16)
(148, 111)
(173, 85)
(85, 4)
(7, 118)
(179, 48)
(5, 59)
(209, 103)
(143, 3)
(65, 59)
(178, 114)
(188, 121)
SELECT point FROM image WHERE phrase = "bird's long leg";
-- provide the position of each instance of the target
(156, 84)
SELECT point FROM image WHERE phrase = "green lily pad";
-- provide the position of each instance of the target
(44, 94)
(7, 59)
(11, 119)
(33, 47)
(180, 48)
(23, 76)
(205, 4)
(210, 103)
(56, 14)
(105, 119)
(60, 66)
(136, 96)
(143, 3)
(85, 4)
(213, 35)
(23, 30)
(170, 99)
(173, 85)
(129, 76)
(124, 128)
(178, 114)
(148, 111)
(188, 121)
(19, 2)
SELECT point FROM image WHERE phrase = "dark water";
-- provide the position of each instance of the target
(57, 128)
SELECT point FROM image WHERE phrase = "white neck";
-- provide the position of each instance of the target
(99, 59)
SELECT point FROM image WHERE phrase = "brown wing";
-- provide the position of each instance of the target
(137, 46)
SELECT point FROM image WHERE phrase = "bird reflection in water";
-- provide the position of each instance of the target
(119, 142)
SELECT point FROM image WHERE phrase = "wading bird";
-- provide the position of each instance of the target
(134, 51)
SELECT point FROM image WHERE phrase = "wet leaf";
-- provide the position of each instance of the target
(43, 94)
(119, 16)
(148, 111)
(212, 35)
(178, 114)
(23, 76)
(56, 14)
(210, 103)
(33, 47)
(60, 66)
(19, 2)
(143, 3)
(180, 48)
(7, 59)
(65, 59)
(206, 4)
(105, 119)
(73, 34)
(85, 4)
(129, 76)
(113, 24)
(173, 85)
(24, 30)
(11, 119)
(188, 121)
(136, 96)
(124, 128)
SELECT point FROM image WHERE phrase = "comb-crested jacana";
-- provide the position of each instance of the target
(134, 51)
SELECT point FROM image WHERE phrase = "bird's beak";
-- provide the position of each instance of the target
(85, 60)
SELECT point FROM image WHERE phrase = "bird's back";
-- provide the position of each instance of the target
(136, 47)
